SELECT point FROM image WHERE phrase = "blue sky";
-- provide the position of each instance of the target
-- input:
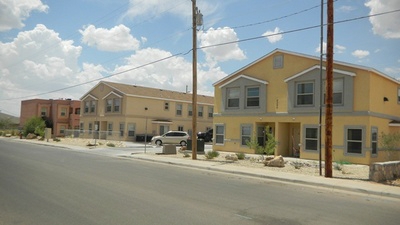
(47, 46)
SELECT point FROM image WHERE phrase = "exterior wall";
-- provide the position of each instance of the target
(362, 111)
(62, 113)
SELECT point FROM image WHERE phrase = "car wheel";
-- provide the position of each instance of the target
(158, 142)
(183, 143)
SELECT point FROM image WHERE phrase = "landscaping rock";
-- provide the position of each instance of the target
(31, 136)
(275, 162)
(232, 157)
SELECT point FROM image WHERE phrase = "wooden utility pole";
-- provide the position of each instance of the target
(194, 81)
(329, 92)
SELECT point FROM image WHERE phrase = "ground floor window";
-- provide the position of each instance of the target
(121, 129)
(374, 140)
(180, 128)
(81, 127)
(219, 134)
(131, 129)
(110, 128)
(245, 134)
(354, 140)
(62, 129)
(311, 138)
(90, 128)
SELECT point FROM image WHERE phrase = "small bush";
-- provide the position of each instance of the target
(241, 155)
(185, 155)
(211, 154)
(297, 164)
(56, 139)
(109, 144)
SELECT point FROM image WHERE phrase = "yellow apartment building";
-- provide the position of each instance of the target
(284, 89)
(126, 112)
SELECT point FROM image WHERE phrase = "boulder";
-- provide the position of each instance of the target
(232, 157)
(275, 162)
(31, 136)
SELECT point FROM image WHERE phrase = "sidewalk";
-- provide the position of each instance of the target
(136, 151)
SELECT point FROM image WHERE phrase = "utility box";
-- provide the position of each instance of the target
(169, 149)
(47, 133)
(200, 145)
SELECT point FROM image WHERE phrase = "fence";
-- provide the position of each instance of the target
(91, 134)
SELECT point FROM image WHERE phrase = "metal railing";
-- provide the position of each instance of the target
(91, 134)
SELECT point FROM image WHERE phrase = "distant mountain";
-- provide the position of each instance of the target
(14, 120)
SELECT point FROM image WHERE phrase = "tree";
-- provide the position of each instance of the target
(35, 125)
(270, 144)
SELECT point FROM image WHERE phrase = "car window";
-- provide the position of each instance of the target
(170, 134)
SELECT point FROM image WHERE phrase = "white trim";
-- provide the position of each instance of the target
(245, 77)
(168, 99)
(394, 124)
(112, 92)
(318, 67)
(89, 95)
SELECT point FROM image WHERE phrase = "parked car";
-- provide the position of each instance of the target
(171, 137)
(206, 136)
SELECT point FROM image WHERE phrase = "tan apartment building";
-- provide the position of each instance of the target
(126, 112)
(59, 114)
(283, 90)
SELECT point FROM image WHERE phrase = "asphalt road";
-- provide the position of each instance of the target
(49, 185)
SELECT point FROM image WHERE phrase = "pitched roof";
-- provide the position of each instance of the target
(304, 56)
(154, 93)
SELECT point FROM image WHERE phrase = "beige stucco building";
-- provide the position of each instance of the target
(284, 89)
(127, 112)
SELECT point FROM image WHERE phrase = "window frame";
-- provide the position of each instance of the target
(277, 62)
(305, 94)
(179, 108)
(252, 97)
(110, 129)
(121, 129)
(200, 110)
(190, 110)
(247, 136)
(342, 91)
(230, 98)
(210, 111)
(166, 106)
(374, 141)
(219, 134)
(354, 141)
(314, 139)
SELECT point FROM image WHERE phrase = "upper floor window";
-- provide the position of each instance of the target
(305, 94)
(278, 62)
(77, 111)
(200, 111)
(180, 128)
(113, 105)
(190, 110)
(233, 95)
(166, 105)
(252, 97)
(43, 111)
(179, 109)
(87, 106)
(92, 106)
(63, 111)
(210, 111)
(337, 91)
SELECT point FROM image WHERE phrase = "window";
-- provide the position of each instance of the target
(117, 104)
(180, 128)
(87, 106)
(305, 94)
(374, 141)
(131, 129)
(90, 128)
(92, 106)
(337, 91)
(110, 128)
(81, 127)
(354, 141)
(63, 112)
(210, 111)
(233, 97)
(278, 62)
(398, 95)
(311, 139)
(108, 105)
(200, 111)
(253, 97)
(62, 129)
(166, 105)
(43, 111)
(179, 109)
(219, 134)
(121, 129)
(77, 111)
(245, 134)
(190, 110)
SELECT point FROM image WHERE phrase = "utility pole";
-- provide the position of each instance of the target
(197, 21)
(329, 92)
(321, 51)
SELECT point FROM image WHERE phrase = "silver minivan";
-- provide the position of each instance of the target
(171, 137)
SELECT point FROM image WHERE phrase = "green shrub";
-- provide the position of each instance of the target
(35, 125)
(241, 155)
(211, 154)
(56, 139)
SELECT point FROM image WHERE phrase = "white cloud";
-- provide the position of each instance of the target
(156, 8)
(337, 48)
(360, 53)
(39, 61)
(385, 25)
(273, 36)
(220, 53)
(116, 39)
(13, 12)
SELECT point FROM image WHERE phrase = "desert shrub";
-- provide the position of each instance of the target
(211, 154)
(35, 125)
(56, 139)
(241, 155)
(109, 144)
(297, 164)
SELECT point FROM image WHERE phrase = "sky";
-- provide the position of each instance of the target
(51, 49)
